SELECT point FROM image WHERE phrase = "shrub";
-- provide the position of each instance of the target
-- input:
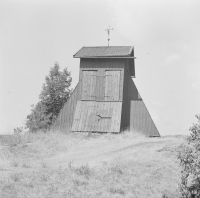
(189, 158)
(18, 130)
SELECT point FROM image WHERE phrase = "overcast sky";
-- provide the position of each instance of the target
(165, 35)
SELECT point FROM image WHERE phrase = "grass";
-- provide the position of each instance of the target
(55, 165)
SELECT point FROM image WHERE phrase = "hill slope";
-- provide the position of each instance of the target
(81, 165)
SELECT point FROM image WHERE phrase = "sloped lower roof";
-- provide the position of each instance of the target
(104, 51)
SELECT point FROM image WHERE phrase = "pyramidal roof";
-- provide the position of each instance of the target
(105, 51)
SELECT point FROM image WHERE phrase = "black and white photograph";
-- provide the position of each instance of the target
(99, 99)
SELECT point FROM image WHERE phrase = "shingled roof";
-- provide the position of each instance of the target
(105, 51)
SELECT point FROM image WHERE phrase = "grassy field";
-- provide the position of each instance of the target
(58, 165)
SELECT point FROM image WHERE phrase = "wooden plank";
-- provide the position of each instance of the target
(103, 114)
(87, 122)
(83, 91)
(85, 113)
(90, 122)
(112, 104)
(94, 124)
(93, 118)
(102, 84)
(122, 79)
(112, 86)
(88, 85)
(116, 86)
(98, 112)
(108, 85)
(82, 112)
(116, 117)
(94, 127)
(76, 116)
(84, 85)
(94, 85)
(119, 112)
(125, 123)
(109, 114)
(97, 86)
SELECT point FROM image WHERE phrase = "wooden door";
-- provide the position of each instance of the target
(91, 116)
(88, 85)
(100, 90)
(112, 85)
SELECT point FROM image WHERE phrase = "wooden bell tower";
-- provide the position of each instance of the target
(106, 98)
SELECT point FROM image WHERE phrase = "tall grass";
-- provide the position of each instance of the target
(78, 165)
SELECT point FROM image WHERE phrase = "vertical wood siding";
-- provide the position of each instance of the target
(65, 118)
(105, 67)
(91, 116)
(125, 123)
(105, 100)
(140, 119)
(88, 85)
(112, 85)
(100, 95)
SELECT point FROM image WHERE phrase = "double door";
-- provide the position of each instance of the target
(103, 86)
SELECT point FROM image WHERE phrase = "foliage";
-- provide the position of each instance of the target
(17, 130)
(189, 158)
(37, 119)
(55, 93)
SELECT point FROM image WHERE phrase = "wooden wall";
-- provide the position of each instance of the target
(65, 118)
(140, 119)
(101, 88)
(92, 116)
(125, 117)
(102, 67)
(128, 108)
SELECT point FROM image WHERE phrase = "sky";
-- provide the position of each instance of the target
(166, 38)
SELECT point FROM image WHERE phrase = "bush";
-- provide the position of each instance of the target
(189, 158)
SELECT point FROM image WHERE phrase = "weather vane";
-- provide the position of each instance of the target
(108, 31)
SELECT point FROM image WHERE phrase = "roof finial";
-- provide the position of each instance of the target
(108, 31)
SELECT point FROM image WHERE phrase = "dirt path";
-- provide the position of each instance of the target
(105, 152)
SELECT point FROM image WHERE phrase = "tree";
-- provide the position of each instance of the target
(189, 158)
(37, 119)
(55, 93)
